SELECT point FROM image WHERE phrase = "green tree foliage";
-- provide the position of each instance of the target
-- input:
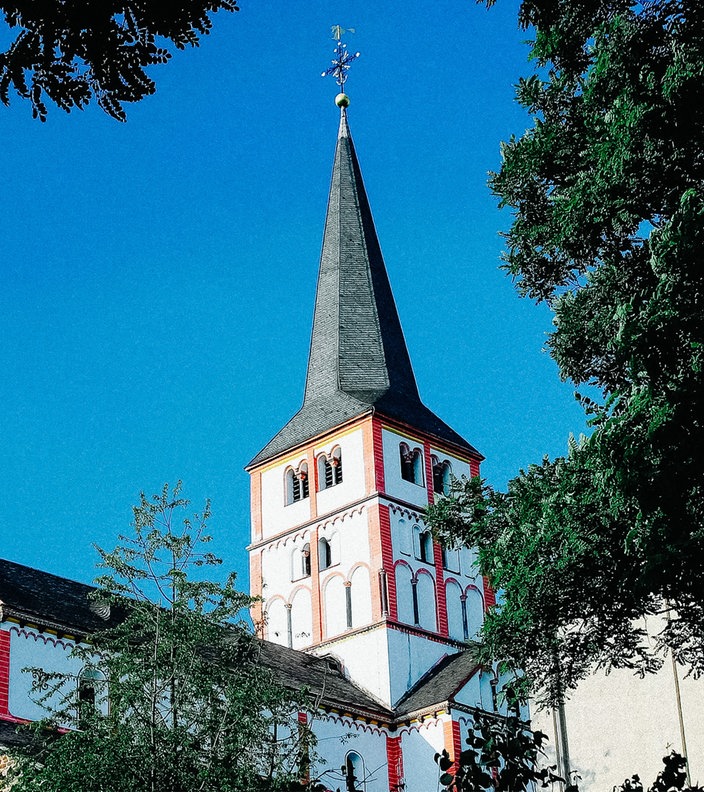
(502, 755)
(672, 778)
(607, 195)
(183, 705)
(69, 51)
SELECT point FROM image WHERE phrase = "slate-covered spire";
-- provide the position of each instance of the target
(357, 345)
(358, 359)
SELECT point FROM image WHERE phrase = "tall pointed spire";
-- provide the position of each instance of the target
(358, 361)
(357, 345)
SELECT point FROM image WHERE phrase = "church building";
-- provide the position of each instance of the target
(359, 605)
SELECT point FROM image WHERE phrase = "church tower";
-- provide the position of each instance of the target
(340, 554)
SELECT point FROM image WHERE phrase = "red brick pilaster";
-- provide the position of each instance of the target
(304, 750)
(378, 455)
(440, 598)
(316, 596)
(394, 760)
(4, 674)
(452, 740)
(387, 558)
(489, 595)
(255, 587)
(256, 504)
(429, 481)
(312, 483)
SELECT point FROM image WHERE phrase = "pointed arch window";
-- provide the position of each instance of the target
(411, 464)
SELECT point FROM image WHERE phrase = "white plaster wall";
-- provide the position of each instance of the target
(280, 575)
(301, 618)
(352, 531)
(393, 483)
(410, 657)
(619, 724)
(404, 594)
(334, 606)
(468, 557)
(352, 486)
(276, 629)
(401, 535)
(336, 737)
(475, 612)
(471, 694)
(30, 649)
(365, 657)
(276, 515)
(427, 609)
(453, 594)
(361, 597)
(420, 744)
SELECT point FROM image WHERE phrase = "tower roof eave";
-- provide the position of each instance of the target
(316, 417)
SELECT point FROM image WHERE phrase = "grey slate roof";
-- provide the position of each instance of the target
(358, 361)
(51, 601)
(440, 684)
(13, 735)
(322, 678)
(48, 600)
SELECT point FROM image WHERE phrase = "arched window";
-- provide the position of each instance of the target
(411, 464)
(418, 467)
(425, 547)
(305, 560)
(292, 487)
(303, 478)
(442, 471)
(406, 462)
(91, 682)
(336, 462)
(353, 771)
(324, 553)
(297, 486)
(330, 469)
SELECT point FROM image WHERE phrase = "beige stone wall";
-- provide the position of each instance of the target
(619, 724)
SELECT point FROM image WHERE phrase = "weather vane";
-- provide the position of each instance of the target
(341, 64)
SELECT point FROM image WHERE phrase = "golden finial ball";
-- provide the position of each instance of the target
(342, 100)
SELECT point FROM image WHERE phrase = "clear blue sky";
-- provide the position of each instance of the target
(158, 276)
